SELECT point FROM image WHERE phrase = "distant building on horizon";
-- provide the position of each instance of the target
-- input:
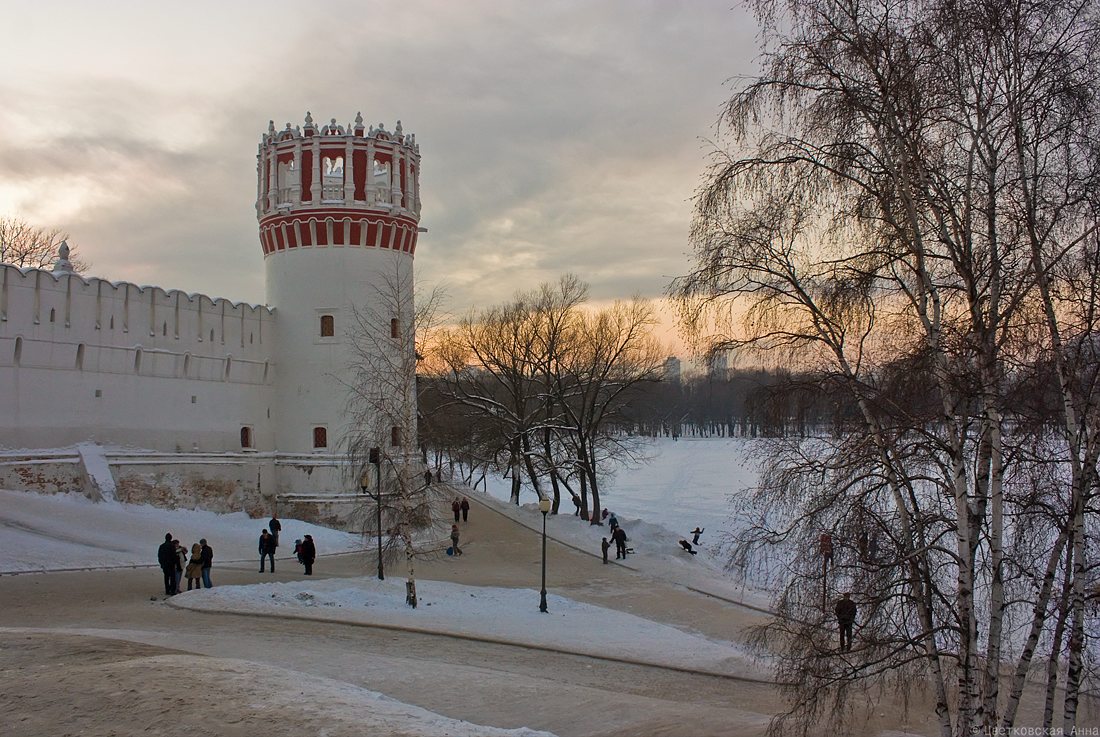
(672, 369)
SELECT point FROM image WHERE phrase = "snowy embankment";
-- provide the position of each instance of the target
(497, 614)
(683, 485)
(42, 532)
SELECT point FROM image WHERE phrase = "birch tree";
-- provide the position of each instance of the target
(908, 177)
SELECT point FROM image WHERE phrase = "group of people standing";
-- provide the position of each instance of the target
(304, 549)
(172, 557)
(175, 564)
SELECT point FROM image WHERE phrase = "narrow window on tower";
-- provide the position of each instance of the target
(395, 328)
(328, 326)
(395, 436)
(246, 437)
(320, 437)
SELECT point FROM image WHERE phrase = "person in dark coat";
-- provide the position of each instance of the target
(276, 527)
(309, 554)
(687, 546)
(465, 507)
(576, 505)
(604, 545)
(696, 533)
(428, 477)
(166, 557)
(612, 521)
(181, 562)
(619, 536)
(456, 507)
(207, 563)
(846, 619)
(267, 549)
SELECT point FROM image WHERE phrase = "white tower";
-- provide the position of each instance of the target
(338, 211)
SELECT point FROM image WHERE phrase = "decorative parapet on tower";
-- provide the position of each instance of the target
(338, 186)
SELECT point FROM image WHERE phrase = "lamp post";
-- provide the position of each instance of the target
(544, 507)
(375, 457)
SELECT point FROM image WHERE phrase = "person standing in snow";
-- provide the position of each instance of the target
(695, 534)
(454, 540)
(456, 507)
(181, 561)
(604, 545)
(612, 521)
(576, 505)
(166, 557)
(267, 549)
(619, 536)
(194, 567)
(309, 554)
(465, 507)
(276, 527)
(207, 563)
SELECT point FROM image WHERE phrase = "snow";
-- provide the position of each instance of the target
(99, 472)
(64, 531)
(500, 614)
(685, 483)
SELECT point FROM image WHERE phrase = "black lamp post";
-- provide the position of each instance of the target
(364, 483)
(544, 507)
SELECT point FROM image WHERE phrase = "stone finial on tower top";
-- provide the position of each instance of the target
(309, 118)
(359, 118)
(271, 127)
(63, 265)
(397, 130)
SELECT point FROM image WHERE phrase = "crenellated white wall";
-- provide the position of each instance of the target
(88, 359)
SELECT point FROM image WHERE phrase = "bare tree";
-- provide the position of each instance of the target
(915, 173)
(29, 246)
(382, 422)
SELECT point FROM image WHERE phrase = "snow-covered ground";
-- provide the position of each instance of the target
(499, 614)
(685, 484)
(59, 531)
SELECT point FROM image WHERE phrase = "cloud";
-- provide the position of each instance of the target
(555, 137)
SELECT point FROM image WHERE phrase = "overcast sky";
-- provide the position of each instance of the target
(555, 136)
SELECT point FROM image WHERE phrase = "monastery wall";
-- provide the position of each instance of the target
(116, 363)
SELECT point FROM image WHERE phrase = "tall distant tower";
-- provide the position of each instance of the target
(338, 209)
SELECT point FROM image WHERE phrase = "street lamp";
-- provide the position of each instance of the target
(375, 457)
(544, 507)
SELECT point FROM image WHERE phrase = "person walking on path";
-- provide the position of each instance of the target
(166, 557)
(696, 533)
(309, 554)
(465, 507)
(576, 505)
(846, 619)
(619, 536)
(456, 507)
(207, 557)
(194, 567)
(454, 540)
(276, 527)
(604, 546)
(267, 549)
(612, 521)
(181, 561)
